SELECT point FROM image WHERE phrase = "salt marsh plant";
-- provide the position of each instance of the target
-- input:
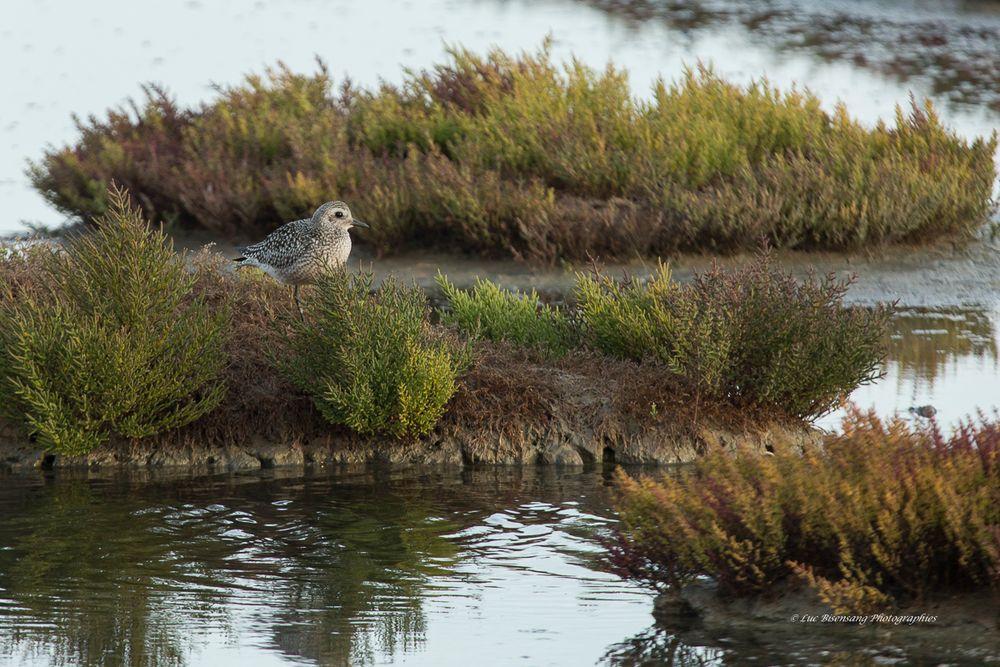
(110, 339)
(884, 513)
(524, 157)
(489, 311)
(754, 337)
(370, 360)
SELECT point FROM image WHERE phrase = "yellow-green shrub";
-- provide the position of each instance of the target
(753, 337)
(115, 342)
(520, 156)
(369, 359)
(489, 311)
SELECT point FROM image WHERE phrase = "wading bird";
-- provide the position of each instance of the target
(299, 252)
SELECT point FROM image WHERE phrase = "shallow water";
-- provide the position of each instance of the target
(67, 57)
(944, 357)
(951, 46)
(427, 567)
(354, 567)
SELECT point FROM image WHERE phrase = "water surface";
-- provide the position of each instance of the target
(428, 567)
(944, 357)
(357, 566)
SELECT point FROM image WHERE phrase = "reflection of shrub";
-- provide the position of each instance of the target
(520, 156)
(881, 512)
(753, 336)
(499, 314)
(118, 345)
(369, 359)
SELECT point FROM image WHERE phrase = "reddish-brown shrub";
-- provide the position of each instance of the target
(883, 512)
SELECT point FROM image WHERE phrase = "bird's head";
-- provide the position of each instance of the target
(336, 214)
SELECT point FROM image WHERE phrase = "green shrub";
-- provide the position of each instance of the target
(369, 359)
(753, 337)
(520, 156)
(880, 513)
(498, 314)
(796, 346)
(720, 165)
(660, 321)
(427, 199)
(115, 343)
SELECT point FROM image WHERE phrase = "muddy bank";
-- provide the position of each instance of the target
(510, 408)
(968, 623)
(939, 276)
(944, 274)
(557, 444)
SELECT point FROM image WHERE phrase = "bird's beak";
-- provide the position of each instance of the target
(358, 223)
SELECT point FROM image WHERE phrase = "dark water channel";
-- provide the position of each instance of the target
(353, 567)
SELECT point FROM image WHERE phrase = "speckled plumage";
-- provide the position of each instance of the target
(298, 252)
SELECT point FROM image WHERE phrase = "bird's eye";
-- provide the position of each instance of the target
(339, 214)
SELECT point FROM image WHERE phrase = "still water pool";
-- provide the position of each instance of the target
(425, 567)
(349, 567)
(943, 357)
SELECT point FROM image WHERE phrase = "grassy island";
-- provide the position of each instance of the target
(522, 157)
(114, 340)
(114, 349)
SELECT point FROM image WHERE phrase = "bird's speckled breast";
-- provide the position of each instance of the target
(320, 258)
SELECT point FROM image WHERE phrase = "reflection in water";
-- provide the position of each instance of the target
(327, 570)
(955, 48)
(927, 343)
(658, 646)
(89, 583)
(825, 647)
(945, 357)
(109, 571)
(355, 567)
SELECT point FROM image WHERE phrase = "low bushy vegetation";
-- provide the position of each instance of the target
(498, 314)
(369, 359)
(883, 513)
(74, 377)
(754, 337)
(108, 338)
(520, 156)
(113, 334)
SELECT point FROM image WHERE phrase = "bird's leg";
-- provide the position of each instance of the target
(295, 295)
